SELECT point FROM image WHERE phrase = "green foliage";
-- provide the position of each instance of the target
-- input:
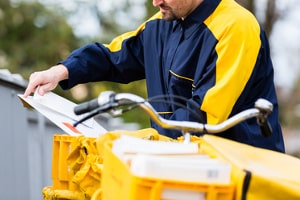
(151, 10)
(32, 37)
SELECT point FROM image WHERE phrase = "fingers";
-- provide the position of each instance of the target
(41, 80)
(32, 85)
(43, 89)
(46, 80)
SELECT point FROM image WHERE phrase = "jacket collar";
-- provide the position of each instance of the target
(199, 15)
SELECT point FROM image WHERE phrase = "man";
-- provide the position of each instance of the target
(212, 52)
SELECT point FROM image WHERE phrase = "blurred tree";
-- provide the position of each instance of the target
(114, 21)
(32, 37)
(269, 15)
(151, 10)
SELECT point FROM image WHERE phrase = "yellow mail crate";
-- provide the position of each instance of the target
(119, 183)
(61, 172)
(63, 187)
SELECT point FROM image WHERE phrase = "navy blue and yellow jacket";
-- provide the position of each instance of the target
(218, 58)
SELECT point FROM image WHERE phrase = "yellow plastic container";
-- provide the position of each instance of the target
(61, 172)
(118, 183)
(76, 168)
(63, 188)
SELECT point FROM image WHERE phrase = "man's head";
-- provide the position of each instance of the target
(176, 9)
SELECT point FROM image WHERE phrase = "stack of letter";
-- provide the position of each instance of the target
(170, 161)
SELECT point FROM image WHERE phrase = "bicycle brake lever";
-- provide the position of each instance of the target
(265, 107)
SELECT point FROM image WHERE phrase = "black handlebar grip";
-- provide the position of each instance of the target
(265, 127)
(86, 107)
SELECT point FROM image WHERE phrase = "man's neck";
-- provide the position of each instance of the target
(194, 6)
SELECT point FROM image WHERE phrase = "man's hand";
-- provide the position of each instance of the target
(46, 80)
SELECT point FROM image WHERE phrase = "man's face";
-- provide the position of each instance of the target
(176, 9)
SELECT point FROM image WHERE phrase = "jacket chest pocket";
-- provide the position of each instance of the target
(180, 85)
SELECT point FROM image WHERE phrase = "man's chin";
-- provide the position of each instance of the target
(167, 17)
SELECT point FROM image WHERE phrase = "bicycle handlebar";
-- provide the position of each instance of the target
(109, 102)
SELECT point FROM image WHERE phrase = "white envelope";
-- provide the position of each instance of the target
(60, 111)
